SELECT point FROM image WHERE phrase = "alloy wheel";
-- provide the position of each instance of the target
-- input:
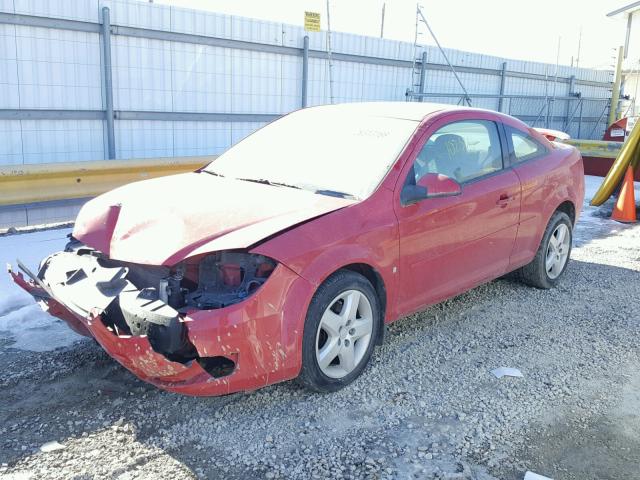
(344, 334)
(557, 251)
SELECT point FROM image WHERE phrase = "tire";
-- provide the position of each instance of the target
(331, 332)
(537, 274)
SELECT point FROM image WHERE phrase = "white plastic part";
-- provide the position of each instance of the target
(52, 447)
(507, 372)
(535, 476)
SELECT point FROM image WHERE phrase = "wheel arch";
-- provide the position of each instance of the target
(569, 208)
(374, 277)
(566, 206)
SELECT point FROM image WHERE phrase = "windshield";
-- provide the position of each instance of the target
(325, 150)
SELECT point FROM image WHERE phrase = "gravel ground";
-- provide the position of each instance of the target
(427, 407)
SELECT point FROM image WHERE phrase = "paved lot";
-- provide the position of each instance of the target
(428, 406)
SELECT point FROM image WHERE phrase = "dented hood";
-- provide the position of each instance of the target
(164, 220)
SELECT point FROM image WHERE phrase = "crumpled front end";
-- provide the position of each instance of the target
(211, 325)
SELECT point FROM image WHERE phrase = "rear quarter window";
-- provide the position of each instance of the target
(524, 146)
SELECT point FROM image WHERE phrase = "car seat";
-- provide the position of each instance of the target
(449, 153)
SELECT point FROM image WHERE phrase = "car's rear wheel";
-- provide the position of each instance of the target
(341, 329)
(553, 255)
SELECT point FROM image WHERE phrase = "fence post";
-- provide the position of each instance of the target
(572, 82)
(548, 107)
(108, 82)
(423, 73)
(305, 70)
(503, 75)
(580, 120)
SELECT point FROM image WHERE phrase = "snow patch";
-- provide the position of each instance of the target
(30, 328)
(595, 222)
(22, 321)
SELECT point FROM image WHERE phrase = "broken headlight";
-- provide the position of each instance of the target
(223, 279)
(162, 296)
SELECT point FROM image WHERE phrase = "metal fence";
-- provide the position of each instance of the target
(103, 79)
(580, 117)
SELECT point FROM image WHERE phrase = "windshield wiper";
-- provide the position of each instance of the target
(212, 173)
(334, 193)
(267, 182)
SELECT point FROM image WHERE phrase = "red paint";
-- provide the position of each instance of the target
(165, 220)
(423, 253)
(52, 306)
(260, 334)
(97, 229)
(545, 184)
(552, 135)
(617, 131)
(600, 167)
(439, 185)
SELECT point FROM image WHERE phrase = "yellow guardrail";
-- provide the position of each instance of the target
(23, 184)
(595, 148)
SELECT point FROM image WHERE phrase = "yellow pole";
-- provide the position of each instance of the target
(629, 155)
(615, 94)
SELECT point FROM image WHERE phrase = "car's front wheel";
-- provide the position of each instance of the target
(341, 329)
(553, 254)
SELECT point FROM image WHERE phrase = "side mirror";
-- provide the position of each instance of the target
(431, 185)
(438, 185)
(412, 194)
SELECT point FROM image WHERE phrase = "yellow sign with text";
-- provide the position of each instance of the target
(312, 21)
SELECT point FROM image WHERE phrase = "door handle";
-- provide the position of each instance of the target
(503, 201)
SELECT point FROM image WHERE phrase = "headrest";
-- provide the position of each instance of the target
(450, 143)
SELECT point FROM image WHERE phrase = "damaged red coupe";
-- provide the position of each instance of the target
(287, 255)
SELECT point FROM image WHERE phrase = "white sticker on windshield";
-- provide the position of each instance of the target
(372, 133)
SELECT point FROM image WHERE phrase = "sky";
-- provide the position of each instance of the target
(517, 29)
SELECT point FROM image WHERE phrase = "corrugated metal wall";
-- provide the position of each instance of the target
(56, 69)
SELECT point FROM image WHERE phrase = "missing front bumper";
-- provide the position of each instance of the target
(100, 291)
(237, 348)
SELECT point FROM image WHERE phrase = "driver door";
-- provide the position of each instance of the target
(449, 244)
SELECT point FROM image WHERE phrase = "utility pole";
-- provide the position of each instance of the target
(579, 46)
(555, 84)
(628, 34)
(615, 94)
(384, 4)
(635, 94)
(329, 53)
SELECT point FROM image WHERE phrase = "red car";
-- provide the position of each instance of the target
(287, 255)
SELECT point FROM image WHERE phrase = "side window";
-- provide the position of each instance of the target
(525, 147)
(462, 150)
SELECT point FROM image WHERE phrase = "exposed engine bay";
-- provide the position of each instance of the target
(151, 301)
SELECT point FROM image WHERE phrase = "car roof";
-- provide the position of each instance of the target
(414, 111)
